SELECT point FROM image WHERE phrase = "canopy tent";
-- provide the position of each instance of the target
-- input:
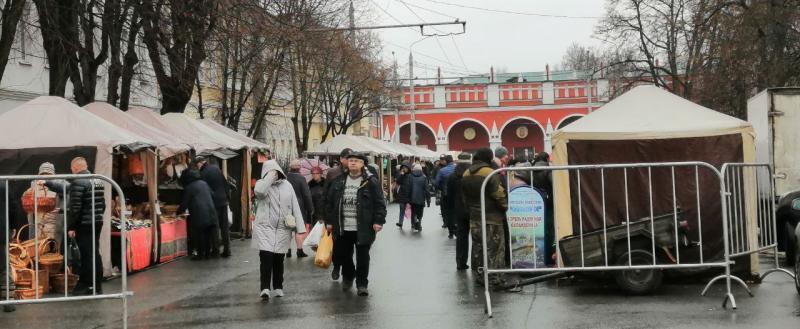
(371, 146)
(416, 151)
(647, 124)
(202, 132)
(167, 144)
(361, 144)
(54, 130)
(251, 143)
(200, 143)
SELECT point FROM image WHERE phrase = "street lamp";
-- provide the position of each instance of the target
(413, 135)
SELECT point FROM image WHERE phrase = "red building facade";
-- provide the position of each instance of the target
(519, 111)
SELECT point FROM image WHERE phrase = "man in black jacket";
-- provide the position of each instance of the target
(87, 204)
(220, 192)
(458, 210)
(334, 173)
(356, 212)
(303, 194)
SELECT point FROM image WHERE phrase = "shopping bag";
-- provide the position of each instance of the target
(312, 240)
(324, 255)
(230, 216)
(408, 211)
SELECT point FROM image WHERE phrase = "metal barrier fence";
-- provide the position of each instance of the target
(124, 294)
(750, 195)
(662, 207)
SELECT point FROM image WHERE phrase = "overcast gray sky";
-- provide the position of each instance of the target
(510, 42)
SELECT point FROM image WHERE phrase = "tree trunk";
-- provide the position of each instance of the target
(12, 12)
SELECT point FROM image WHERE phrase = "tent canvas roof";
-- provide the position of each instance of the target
(649, 112)
(49, 121)
(356, 143)
(202, 132)
(155, 120)
(168, 145)
(251, 143)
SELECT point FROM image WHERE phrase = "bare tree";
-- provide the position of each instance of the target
(175, 33)
(11, 14)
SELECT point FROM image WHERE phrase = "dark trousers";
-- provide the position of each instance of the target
(345, 245)
(271, 269)
(84, 238)
(416, 213)
(203, 240)
(449, 221)
(224, 230)
(462, 240)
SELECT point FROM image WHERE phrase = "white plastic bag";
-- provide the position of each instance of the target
(230, 216)
(312, 240)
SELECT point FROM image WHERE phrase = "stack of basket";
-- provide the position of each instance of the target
(24, 257)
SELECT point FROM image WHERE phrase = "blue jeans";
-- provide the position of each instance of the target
(402, 212)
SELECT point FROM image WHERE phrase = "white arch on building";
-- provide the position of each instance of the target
(567, 117)
(488, 132)
(408, 123)
(544, 132)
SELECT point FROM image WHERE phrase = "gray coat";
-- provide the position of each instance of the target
(275, 198)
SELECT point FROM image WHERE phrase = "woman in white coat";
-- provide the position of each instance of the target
(275, 200)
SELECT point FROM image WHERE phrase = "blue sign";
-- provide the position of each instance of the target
(526, 227)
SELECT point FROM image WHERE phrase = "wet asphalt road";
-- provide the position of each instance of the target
(413, 284)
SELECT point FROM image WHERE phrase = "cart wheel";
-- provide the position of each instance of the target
(638, 281)
(797, 274)
(791, 245)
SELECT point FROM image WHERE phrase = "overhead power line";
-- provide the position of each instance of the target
(502, 11)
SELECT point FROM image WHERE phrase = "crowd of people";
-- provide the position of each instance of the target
(457, 187)
(349, 201)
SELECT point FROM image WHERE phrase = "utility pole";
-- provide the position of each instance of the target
(413, 135)
(396, 136)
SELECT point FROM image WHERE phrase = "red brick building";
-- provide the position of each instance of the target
(519, 111)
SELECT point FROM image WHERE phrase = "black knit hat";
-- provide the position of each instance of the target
(358, 155)
(346, 152)
(484, 154)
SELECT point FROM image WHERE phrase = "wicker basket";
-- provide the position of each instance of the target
(23, 278)
(29, 293)
(57, 282)
(169, 210)
(49, 258)
(18, 257)
(45, 200)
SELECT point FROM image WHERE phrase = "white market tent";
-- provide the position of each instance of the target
(646, 125)
(168, 145)
(251, 143)
(53, 129)
(649, 112)
(150, 117)
(202, 132)
(361, 144)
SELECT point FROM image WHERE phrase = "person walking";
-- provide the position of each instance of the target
(441, 185)
(220, 190)
(419, 196)
(403, 177)
(277, 208)
(458, 210)
(198, 199)
(333, 174)
(303, 194)
(317, 188)
(87, 204)
(496, 203)
(356, 212)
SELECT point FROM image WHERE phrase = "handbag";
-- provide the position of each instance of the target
(290, 221)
